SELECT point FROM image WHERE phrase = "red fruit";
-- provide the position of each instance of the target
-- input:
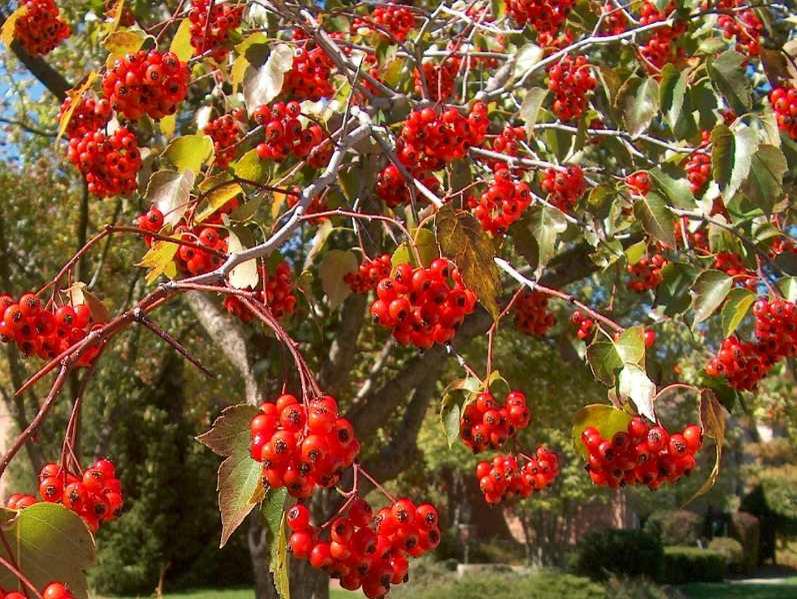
(300, 544)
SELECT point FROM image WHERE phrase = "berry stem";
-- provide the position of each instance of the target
(373, 481)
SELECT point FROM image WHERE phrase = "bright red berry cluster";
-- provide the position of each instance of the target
(504, 478)
(369, 274)
(662, 47)
(570, 80)
(54, 590)
(393, 190)
(279, 297)
(507, 142)
(196, 261)
(487, 424)
(147, 82)
(45, 331)
(585, 325)
(283, 132)
(644, 454)
(732, 265)
(638, 183)
(697, 240)
(423, 306)
(302, 447)
(96, 496)
(564, 186)
(784, 103)
(393, 19)
(614, 22)
(743, 364)
(745, 26)
(309, 77)
(698, 170)
(439, 77)
(151, 221)
(88, 116)
(776, 326)
(531, 314)
(502, 203)
(545, 16)
(40, 29)
(226, 132)
(363, 550)
(211, 23)
(110, 163)
(646, 273)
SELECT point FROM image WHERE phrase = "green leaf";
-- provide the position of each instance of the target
(636, 252)
(745, 144)
(335, 265)
(727, 74)
(462, 239)
(656, 218)
(240, 479)
(545, 225)
(722, 147)
(498, 8)
(672, 93)
(673, 292)
(250, 167)
(530, 109)
(279, 564)
(788, 286)
(190, 152)
(712, 420)
(607, 419)
(604, 360)
(635, 384)
(264, 83)
(450, 416)
(245, 275)
(608, 253)
(168, 125)
(48, 542)
(675, 190)
(525, 58)
(640, 106)
(630, 346)
(181, 42)
(787, 262)
(764, 184)
(453, 404)
(710, 290)
(170, 193)
(735, 309)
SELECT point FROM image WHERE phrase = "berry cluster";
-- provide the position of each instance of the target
(279, 295)
(507, 143)
(531, 314)
(392, 19)
(211, 24)
(45, 331)
(302, 447)
(745, 26)
(196, 261)
(586, 326)
(614, 21)
(430, 139)
(225, 132)
(784, 103)
(743, 364)
(88, 116)
(147, 82)
(564, 186)
(642, 455)
(366, 550)
(151, 221)
(698, 170)
(570, 80)
(545, 16)
(283, 132)
(662, 47)
(732, 265)
(393, 190)
(439, 77)
(369, 274)
(502, 204)
(309, 77)
(697, 240)
(110, 163)
(487, 424)
(776, 326)
(504, 478)
(646, 273)
(96, 496)
(54, 590)
(423, 306)
(40, 29)
(638, 183)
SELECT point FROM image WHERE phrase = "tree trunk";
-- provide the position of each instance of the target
(307, 582)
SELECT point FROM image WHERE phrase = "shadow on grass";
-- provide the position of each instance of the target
(705, 590)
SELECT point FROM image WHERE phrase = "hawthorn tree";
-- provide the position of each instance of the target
(394, 181)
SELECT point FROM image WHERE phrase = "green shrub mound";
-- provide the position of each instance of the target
(675, 527)
(601, 553)
(746, 529)
(733, 552)
(692, 564)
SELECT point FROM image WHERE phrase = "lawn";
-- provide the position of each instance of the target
(705, 590)
(228, 594)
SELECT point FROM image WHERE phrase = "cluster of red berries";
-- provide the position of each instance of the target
(745, 26)
(545, 16)
(423, 306)
(364, 550)
(487, 424)
(698, 170)
(430, 139)
(502, 204)
(784, 103)
(109, 163)
(151, 221)
(586, 326)
(570, 80)
(283, 132)
(507, 142)
(776, 326)
(279, 295)
(393, 19)
(638, 183)
(646, 273)
(504, 478)
(742, 363)
(369, 274)
(309, 77)
(96, 496)
(662, 47)
(696, 240)
(196, 261)
(45, 331)
(54, 590)
(226, 132)
(564, 186)
(439, 77)
(393, 190)
(531, 314)
(641, 455)
(147, 82)
(732, 265)
(211, 23)
(302, 447)
(88, 116)
(40, 29)
(614, 20)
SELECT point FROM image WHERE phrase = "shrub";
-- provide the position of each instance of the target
(746, 529)
(692, 564)
(622, 552)
(733, 552)
(675, 527)
(634, 588)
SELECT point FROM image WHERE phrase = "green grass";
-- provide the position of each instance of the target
(227, 594)
(706, 590)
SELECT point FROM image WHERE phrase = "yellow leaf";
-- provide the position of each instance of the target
(220, 193)
(123, 42)
(238, 71)
(181, 43)
(116, 14)
(276, 205)
(168, 124)
(190, 152)
(74, 97)
(9, 25)
(160, 260)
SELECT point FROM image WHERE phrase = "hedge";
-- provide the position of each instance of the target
(621, 552)
(692, 564)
